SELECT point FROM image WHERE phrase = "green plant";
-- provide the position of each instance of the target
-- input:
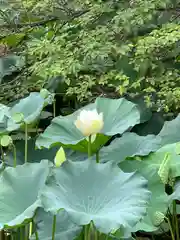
(84, 49)
(95, 191)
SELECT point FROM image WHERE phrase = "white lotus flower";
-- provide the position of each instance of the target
(89, 122)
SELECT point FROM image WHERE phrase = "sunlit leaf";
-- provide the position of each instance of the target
(12, 40)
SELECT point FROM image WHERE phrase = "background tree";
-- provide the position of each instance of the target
(84, 49)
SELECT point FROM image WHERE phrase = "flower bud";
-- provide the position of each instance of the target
(60, 157)
(164, 168)
(44, 93)
(158, 218)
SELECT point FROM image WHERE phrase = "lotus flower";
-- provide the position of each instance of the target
(89, 122)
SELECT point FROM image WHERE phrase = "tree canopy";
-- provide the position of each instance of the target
(84, 49)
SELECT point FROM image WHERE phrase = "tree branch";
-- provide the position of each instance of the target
(169, 9)
(33, 24)
(43, 22)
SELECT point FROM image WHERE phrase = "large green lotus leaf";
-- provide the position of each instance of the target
(36, 155)
(119, 116)
(3, 118)
(65, 228)
(19, 192)
(61, 130)
(30, 107)
(159, 199)
(81, 146)
(101, 193)
(154, 160)
(169, 132)
(129, 145)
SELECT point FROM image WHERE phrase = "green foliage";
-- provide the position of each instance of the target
(106, 48)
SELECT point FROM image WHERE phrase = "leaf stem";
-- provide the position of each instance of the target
(14, 155)
(54, 227)
(30, 228)
(54, 108)
(35, 229)
(107, 236)
(21, 233)
(89, 146)
(175, 220)
(13, 236)
(36, 234)
(26, 232)
(153, 237)
(2, 234)
(87, 232)
(177, 228)
(95, 234)
(6, 236)
(26, 143)
(2, 153)
(97, 157)
(170, 228)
